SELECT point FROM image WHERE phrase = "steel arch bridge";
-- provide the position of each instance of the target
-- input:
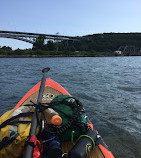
(31, 37)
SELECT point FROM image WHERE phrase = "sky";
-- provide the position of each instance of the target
(68, 17)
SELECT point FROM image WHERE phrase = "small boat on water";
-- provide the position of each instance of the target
(49, 123)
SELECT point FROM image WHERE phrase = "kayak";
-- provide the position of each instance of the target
(90, 146)
(53, 89)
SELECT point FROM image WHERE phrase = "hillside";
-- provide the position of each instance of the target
(112, 41)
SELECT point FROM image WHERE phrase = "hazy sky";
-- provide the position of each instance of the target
(68, 17)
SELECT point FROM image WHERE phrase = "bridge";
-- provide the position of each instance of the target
(31, 37)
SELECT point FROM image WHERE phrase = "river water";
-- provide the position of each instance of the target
(108, 87)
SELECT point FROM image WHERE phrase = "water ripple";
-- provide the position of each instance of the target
(109, 88)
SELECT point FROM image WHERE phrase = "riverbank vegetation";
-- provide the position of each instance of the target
(92, 45)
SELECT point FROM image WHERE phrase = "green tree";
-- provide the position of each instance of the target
(39, 44)
(6, 48)
(51, 46)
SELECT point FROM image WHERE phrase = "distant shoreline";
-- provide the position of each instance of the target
(48, 56)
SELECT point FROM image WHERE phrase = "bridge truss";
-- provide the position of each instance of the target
(31, 37)
(129, 50)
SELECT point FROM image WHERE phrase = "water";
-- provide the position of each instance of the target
(109, 88)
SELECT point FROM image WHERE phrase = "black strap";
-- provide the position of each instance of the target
(14, 123)
(8, 140)
(11, 120)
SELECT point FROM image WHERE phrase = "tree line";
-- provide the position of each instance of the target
(90, 45)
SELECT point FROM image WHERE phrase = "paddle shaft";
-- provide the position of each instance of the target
(29, 148)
